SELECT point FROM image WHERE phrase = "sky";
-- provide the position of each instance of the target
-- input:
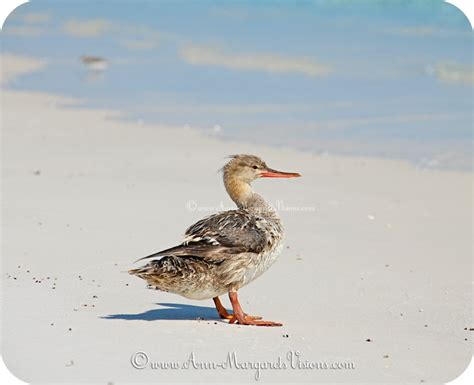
(378, 78)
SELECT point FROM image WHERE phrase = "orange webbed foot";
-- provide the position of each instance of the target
(249, 320)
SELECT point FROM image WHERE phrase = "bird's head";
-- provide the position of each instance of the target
(247, 168)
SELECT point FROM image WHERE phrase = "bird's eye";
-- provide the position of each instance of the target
(255, 167)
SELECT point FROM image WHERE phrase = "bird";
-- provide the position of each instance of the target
(94, 63)
(225, 251)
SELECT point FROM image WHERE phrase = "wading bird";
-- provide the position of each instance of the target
(225, 251)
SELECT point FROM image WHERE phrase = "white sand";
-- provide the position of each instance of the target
(383, 250)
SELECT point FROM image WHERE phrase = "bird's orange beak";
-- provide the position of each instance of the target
(270, 173)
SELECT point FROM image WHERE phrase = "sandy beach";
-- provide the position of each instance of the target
(375, 273)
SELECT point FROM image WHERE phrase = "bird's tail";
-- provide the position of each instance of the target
(170, 273)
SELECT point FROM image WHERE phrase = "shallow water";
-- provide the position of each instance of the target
(328, 77)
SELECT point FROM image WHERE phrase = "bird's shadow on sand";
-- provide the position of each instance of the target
(172, 311)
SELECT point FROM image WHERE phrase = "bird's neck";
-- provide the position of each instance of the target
(240, 192)
(245, 198)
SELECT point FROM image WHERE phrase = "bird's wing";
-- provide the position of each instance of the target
(219, 236)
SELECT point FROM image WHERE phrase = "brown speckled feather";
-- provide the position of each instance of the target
(224, 251)
(220, 236)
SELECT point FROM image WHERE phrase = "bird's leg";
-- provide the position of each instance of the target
(240, 317)
(221, 309)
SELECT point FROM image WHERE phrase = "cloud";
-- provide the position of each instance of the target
(452, 73)
(272, 63)
(24, 31)
(14, 66)
(87, 28)
(36, 18)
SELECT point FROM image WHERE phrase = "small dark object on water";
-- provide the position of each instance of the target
(385, 356)
(285, 335)
(368, 340)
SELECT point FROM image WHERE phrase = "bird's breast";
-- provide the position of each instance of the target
(263, 261)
